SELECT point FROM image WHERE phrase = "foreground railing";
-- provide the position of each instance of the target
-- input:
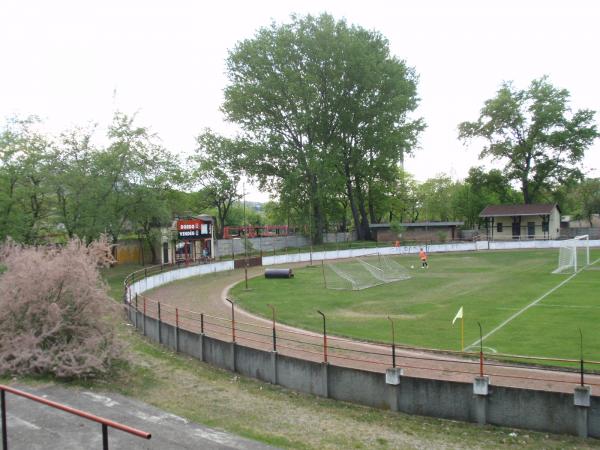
(104, 422)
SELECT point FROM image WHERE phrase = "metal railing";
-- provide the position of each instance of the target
(104, 422)
(513, 370)
(352, 353)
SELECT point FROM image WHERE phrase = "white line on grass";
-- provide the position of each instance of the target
(546, 305)
(492, 350)
(533, 303)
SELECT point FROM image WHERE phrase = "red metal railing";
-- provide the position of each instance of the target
(104, 422)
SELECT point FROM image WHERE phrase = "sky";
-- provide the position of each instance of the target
(76, 62)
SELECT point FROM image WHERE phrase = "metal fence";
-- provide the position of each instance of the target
(555, 374)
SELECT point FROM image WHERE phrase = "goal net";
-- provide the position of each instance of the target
(363, 272)
(573, 254)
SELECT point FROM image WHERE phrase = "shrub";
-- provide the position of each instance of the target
(55, 314)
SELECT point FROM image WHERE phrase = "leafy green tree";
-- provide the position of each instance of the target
(133, 169)
(237, 217)
(325, 106)
(10, 175)
(480, 189)
(67, 187)
(215, 168)
(435, 199)
(75, 183)
(26, 165)
(181, 203)
(586, 198)
(149, 210)
(403, 204)
(533, 132)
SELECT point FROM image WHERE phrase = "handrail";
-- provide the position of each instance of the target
(104, 422)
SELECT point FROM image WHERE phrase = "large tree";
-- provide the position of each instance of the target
(326, 105)
(76, 185)
(435, 199)
(586, 199)
(26, 165)
(135, 168)
(215, 169)
(535, 134)
(482, 188)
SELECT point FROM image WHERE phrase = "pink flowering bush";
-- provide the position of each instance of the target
(55, 314)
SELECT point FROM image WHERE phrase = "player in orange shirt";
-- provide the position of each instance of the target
(423, 258)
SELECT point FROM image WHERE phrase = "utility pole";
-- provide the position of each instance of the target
(245, 224)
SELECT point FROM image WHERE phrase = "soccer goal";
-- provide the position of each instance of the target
(573, 254)
(362, 272)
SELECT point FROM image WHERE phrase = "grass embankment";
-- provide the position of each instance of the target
(491, 286)
(282, 418)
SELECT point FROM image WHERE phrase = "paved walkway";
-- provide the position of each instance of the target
(33, 426)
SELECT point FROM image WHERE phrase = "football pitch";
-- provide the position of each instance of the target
(522, 307)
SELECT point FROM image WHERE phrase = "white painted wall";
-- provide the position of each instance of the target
(163, 278)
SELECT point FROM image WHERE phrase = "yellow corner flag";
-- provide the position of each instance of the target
(459, 315)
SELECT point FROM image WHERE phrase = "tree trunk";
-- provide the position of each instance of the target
(344, 224)
(372, 215)
(220, 223)
(525, 190)
(317, 211)
(364, 218)
(525, 180)
(352, 202)
(318, 223)
(152, 251)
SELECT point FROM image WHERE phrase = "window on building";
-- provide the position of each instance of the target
(545, 226)
(499, 227)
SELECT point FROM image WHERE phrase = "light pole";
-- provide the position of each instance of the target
(480, 350)
(581, 353)
(232, 318)
(310, 236)
(274, 335)
(245, 227)
(393, 343)
(324, 337)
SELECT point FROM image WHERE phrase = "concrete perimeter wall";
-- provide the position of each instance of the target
(227, 247)
(414, 249)
(504, 406)
(163, 278)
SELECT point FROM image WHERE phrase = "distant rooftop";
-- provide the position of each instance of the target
(419, 224)
(518, 210)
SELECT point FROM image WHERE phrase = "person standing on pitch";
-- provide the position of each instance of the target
(423, 258)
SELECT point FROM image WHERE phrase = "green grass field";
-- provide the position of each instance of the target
(491, 286)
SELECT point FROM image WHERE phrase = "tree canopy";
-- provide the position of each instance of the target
(327, 109)
(534, 133)
(68, 185)
(215, 170)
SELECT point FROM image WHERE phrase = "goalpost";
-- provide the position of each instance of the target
(573, 253)
(362, 272)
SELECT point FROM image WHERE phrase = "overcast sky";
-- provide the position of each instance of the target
(76, 62)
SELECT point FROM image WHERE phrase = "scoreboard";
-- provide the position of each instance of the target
(190, 229)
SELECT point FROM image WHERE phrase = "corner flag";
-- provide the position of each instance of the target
(459, 315)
